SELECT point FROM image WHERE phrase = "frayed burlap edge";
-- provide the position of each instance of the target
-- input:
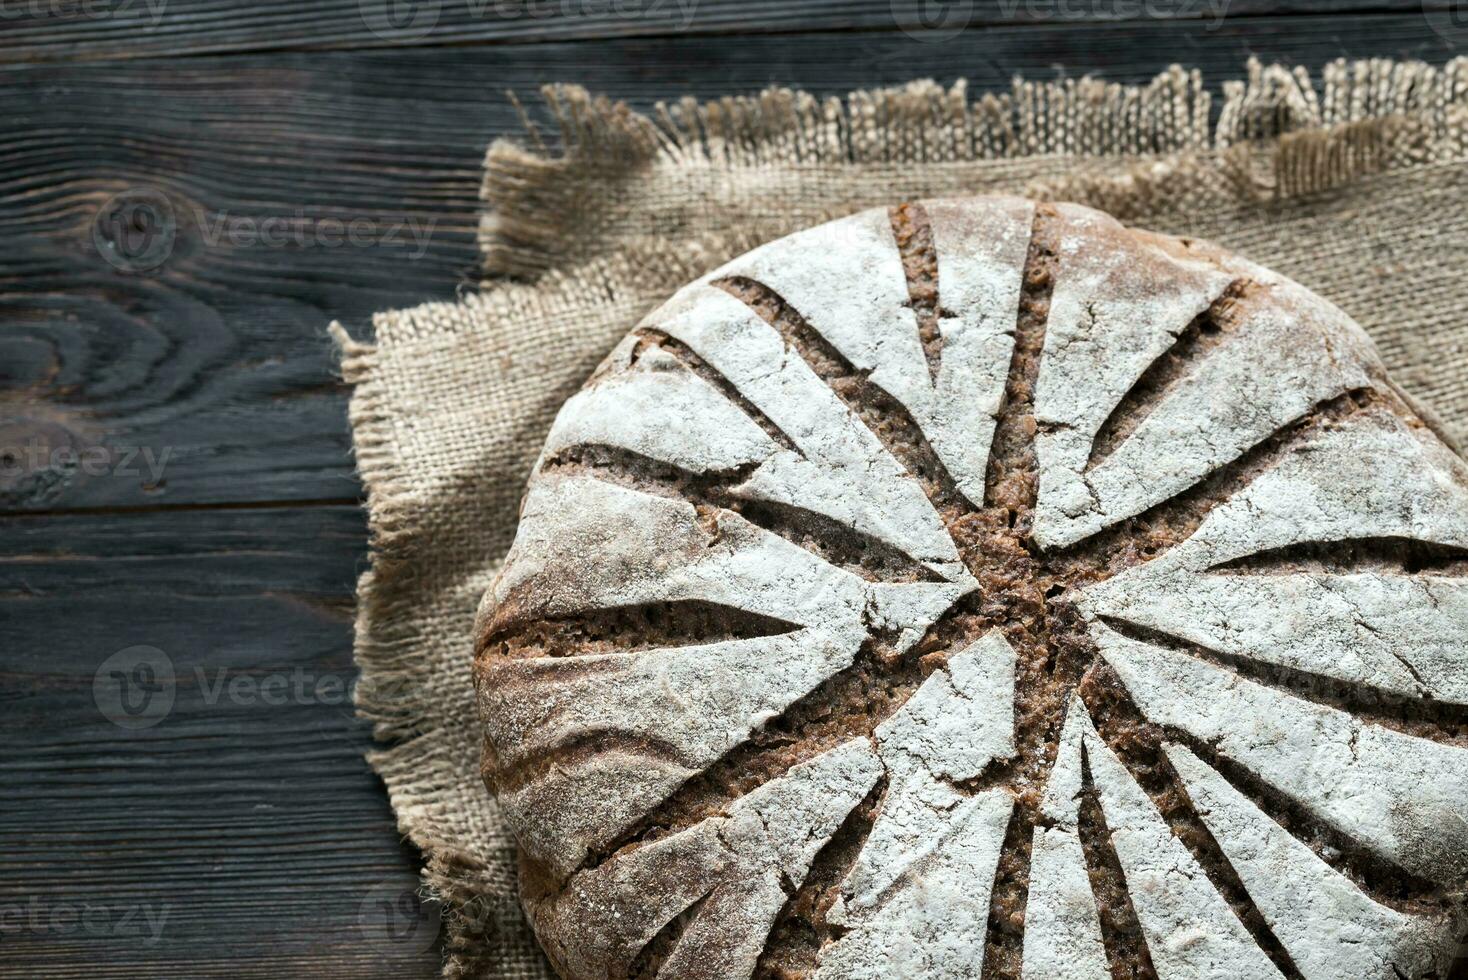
(1277, 135)
(539, 193)
(389, 692)
(387, 657)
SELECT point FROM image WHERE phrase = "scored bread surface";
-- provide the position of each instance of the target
(981, 589)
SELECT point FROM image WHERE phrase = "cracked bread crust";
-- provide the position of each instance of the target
(979, 588)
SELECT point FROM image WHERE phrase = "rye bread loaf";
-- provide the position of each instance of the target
(983, 589)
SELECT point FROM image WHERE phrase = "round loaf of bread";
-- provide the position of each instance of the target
(981, 588)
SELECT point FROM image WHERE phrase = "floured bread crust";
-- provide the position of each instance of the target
(982, 589)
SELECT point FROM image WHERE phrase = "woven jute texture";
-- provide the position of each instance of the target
(1351, 180)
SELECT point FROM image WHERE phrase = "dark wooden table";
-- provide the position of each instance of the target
(184, 791)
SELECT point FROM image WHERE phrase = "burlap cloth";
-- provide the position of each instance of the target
(1353, 183)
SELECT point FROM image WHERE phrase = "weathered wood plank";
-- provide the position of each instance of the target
(239, 833)
(50, 29)
(251, 820)
(216, 362)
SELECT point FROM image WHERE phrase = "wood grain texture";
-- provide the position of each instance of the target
(52, 29)
(243, 832)
(203, 502)
(217, 362)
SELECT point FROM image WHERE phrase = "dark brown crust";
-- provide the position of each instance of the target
(1421, 717)
(1392, 556)
(626, 628)
(884, 415)
(709, 492)
(1024, 592)
(1137, 743)
(1007, 567)
(834, 712)
(1147, 535)
(1139, 746)
(1204, 334)
(1121, 932)
(920, 264)
(794, 946)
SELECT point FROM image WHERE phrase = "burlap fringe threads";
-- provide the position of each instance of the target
(1359, 118)
(1351, 122)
